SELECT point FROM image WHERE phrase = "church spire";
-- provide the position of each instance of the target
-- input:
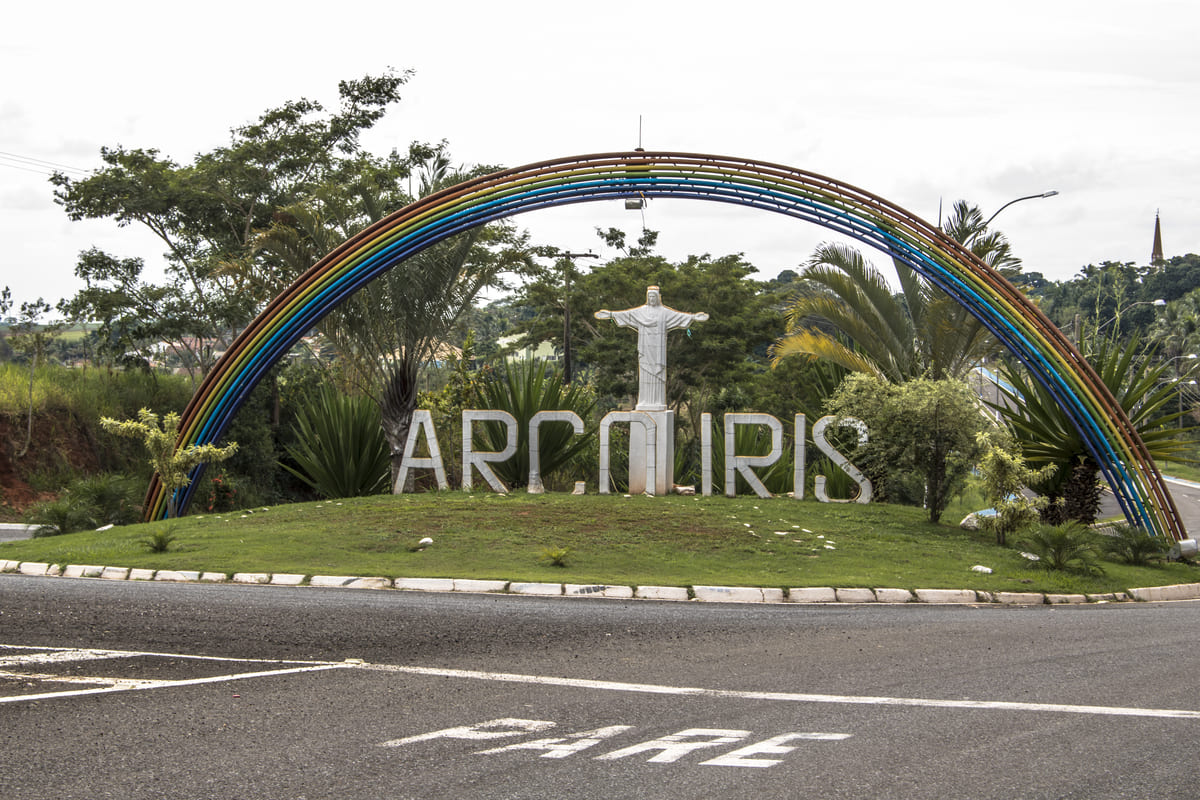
(1156, 254)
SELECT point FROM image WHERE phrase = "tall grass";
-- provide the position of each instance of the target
(89, 393)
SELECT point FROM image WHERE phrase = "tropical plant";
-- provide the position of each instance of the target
(111, 499)
(56, 517)
(388, 331)
(159, 540)
(1133, 545)
(851, 316)
(172, 465)
(1069, 547)
(340, 450)
(1003, 477)
(523, 389)
(1047, 436)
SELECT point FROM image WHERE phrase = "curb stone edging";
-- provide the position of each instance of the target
(729, 594)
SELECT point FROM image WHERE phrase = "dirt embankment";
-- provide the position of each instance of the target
(61, 447)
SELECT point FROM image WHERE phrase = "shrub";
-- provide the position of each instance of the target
(523, 390)
(340, 449)
(1134, 546)
(56, 517)
(1069, 548)
(556, 556)
(158, 541)
(110, 499)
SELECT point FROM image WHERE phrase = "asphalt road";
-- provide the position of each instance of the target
(145, 690)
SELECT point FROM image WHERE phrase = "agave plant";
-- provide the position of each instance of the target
(523, 389)
(340, 448)
(1046, 435)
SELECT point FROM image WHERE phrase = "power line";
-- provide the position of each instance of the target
(30, 164)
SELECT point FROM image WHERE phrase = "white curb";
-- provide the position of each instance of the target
(1021, 598)
(735, 594)
(946, 596)
(727, 594)
(474, 585)
(331, 580)
(537, 589)
(1179, 591)
(426, 584)
(661, 593)
(1065, 599)
(812, 594)
(598, 590)
(176, 575)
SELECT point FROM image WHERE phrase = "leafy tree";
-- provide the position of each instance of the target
(921, 427)
(389, 330)
(207, 215)
(172, 466)
(1003, 477)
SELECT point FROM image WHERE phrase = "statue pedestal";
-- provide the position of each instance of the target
(664, 450)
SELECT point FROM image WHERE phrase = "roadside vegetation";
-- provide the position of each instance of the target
(665, 541)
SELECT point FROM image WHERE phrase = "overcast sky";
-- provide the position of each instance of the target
(920, 102)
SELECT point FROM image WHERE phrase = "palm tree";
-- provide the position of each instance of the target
(388, 330)
(851, 316)
(1048, 437)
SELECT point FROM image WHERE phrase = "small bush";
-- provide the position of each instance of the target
(556, 556)
(56, 517)
(110, 499)
(159, 541)
(1134, 546)
(1070, 548)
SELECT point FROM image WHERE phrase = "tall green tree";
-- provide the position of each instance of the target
(387, 332)
(207, 214)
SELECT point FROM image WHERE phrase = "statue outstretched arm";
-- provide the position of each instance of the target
(603, 313)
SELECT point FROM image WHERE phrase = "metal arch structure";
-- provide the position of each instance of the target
(1015, 321)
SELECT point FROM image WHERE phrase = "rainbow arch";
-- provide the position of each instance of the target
(1004, 310)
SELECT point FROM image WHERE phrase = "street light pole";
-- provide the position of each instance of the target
(1050, 193)
(568, 267)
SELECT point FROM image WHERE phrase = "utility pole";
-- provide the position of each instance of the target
(568, 261)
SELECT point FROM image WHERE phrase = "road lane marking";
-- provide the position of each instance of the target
(792, 697)
(294, 667)
(134, 685)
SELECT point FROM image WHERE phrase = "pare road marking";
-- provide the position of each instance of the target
(665, 749)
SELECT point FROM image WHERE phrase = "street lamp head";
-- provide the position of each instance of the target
(1051, 193)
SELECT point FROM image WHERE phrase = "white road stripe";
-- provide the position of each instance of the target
(134, 686)
(649, 688)
(299, 667)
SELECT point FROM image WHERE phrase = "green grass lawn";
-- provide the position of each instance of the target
(668, 541)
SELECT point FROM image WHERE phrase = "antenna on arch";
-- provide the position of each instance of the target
(638, 203)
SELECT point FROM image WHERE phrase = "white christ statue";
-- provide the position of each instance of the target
(652, 322)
